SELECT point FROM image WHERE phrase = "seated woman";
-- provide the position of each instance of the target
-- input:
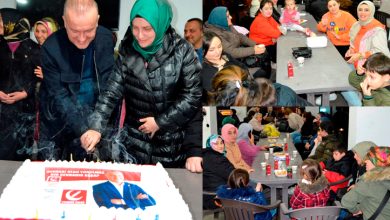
(246, 143)
(374, 82)
(234, 43)
(216, 168)
(215, 59)
(238, 188)
(368, 36)
(233, 154)
(265, 30)
(336, 24)
(233, 86)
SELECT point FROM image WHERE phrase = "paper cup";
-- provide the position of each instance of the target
(295, 153)
(294, 168)
(263, 165)
(271, 150)
(301, 60)
(266, 155)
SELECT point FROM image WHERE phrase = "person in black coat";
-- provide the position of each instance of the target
(76, 65)
(216, 168)
(157, 73)
(19, 55)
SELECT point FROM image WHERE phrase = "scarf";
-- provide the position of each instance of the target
(225, 130)
(357, 25)
(16, 27)
(159, 15)
(49, 23)
(243, 131)
(218, 17)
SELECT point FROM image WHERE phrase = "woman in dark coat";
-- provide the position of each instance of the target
(216, 168)
(157, 73)
(19, 55)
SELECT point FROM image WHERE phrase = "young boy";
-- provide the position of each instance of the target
(373, 80)
(339, 166)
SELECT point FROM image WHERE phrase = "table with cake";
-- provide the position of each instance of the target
(68, 190)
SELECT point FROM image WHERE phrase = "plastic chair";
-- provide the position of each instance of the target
(239, 210)
(214, 212)
(314, 213)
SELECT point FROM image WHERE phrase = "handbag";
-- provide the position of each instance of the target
(258, 60)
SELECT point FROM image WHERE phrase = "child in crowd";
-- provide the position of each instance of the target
(237, 188)
(290, 18)
(312, 190)
(339, 167)
(373, 80)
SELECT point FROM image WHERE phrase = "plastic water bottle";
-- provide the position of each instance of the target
(290, 69)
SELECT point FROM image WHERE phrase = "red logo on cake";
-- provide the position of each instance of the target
(74, 196)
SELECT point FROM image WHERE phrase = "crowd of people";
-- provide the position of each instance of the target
(328, 171)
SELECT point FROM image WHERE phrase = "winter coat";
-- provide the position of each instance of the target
(245, 194)
(62, 63)
(167, 88)
(17, 119)
(368, 193)
(233, 43)
(285, 96)
(379, 97)
(216, 171)
(324, 150)
(338, 170)
(248, 151)
(310, 195)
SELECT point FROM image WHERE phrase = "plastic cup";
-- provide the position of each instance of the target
(263, 165)
(266, 155)
(295, 153)
(294, 168)
(271, 150)
(301, 60)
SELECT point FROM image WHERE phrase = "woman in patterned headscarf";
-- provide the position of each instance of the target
(19, 55)
(157, 74)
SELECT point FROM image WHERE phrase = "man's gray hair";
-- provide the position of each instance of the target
(80, 6)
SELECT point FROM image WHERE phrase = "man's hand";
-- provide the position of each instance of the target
(89, 140)
(142, 196)
(118, 201)
(194, 164)
(3, 97)
(149, 126)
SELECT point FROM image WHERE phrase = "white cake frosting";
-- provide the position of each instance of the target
(32, 193)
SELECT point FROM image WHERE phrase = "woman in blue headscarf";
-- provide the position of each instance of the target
(216, 168)
(157, 73)
(233, 42)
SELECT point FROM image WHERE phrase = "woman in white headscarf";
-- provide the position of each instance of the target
(368, 36)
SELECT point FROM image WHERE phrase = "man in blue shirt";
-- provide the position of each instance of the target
(193, 33)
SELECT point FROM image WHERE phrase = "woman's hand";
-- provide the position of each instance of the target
(324, 21)
(149, 126)
(38, 72)
(354, 57)
(89, 140)
(259, 49)
(15, 97)
(366, 89)
(369, 165)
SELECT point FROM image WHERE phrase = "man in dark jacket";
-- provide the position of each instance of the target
(157, 73)
(76, 61)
